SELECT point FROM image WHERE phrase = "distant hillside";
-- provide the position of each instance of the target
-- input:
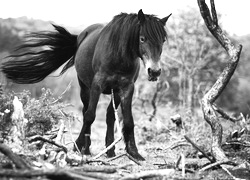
(12, 30)
(12, 33)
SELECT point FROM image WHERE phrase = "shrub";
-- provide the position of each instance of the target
(42, 114)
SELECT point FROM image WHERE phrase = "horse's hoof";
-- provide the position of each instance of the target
(137, 156)
(85, 151)
(110, 154)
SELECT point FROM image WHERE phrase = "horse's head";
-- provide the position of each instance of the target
(151, 39)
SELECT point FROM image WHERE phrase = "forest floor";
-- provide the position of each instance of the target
(162, 145)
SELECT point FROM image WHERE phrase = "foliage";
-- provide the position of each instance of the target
(6, 109)
(42, 114)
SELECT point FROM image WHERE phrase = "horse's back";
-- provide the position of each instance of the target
(87, 40)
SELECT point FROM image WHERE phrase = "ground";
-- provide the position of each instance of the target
(162, 144)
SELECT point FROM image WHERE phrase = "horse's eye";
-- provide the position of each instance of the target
(142, 39)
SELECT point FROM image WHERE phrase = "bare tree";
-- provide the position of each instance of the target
(209, 98)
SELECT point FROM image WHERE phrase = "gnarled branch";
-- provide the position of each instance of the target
(210, 115)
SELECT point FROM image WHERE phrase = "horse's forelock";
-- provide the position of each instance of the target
(154, 30)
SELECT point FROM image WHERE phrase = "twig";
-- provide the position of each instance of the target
(133, 159)
(19, 163)
(60, 97)
(107, 148)
(189, 162)
(199, 149)
(180, 144)
(60, 132)
(225, 115)
(40, 138)
(236, 143)
(229, 173)
(70, 132)
(116, 157)
(216, 164)
(98, 161)
(183, 165)
(178, 162)
(118, 129)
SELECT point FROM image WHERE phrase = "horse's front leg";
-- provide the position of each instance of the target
(128, 121)
(110, 119)
(90, 114)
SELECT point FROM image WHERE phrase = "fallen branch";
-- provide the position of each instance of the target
(216, 164)
(128, 155)
(209, 98)
(19, 163)
(199, 149)
(116, 157)
(62, 174)
(40, 138)
(190, 162)
(89, 168)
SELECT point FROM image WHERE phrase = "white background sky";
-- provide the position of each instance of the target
(75, 13)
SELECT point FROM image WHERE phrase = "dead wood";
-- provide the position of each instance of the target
(226, 115)
(216, 164)
(199, 149)
(19, 163)
(62, 174)
(209, 98)
(90, 168)
(41, 138)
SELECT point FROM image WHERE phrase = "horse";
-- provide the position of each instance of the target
(105, 57)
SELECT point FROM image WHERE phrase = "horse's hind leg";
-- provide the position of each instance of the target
(84, 94)
(89, 115)
(110, 119)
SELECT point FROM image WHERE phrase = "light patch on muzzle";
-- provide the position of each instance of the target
(153, 69)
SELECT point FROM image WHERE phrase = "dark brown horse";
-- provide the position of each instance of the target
(105, 57)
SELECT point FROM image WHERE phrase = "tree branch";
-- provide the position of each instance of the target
(222, 81)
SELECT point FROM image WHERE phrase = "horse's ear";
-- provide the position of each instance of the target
(141, 16)
(165, 19)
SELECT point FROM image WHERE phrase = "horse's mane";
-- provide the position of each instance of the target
(124, 31)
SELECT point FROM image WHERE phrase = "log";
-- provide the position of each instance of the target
(19, 163)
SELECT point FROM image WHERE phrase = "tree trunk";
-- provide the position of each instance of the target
(190, 94)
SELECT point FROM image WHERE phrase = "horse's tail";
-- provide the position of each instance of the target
(42, 53)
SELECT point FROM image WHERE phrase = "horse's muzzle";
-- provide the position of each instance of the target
(153, 74)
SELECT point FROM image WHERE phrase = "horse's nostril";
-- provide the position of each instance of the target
(154, 73)
(149, 71)
(159, 72)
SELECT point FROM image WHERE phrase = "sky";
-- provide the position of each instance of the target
(77, 13)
